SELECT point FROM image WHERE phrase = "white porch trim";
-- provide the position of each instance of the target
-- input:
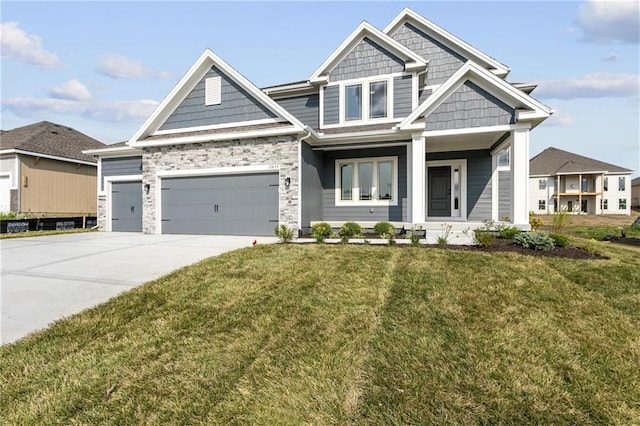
(519, 163)
(417, 178)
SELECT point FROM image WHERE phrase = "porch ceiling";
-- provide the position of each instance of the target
(463, 142)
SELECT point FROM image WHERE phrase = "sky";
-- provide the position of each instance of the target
(103, 67)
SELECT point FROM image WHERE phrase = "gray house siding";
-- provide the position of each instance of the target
(365, 60)
(237, 105)
(402, 86)
(304, 108)
(311, 196)
(331, 212)
(504, 194)
(478, 180)
(123, 166)
(331, 105)
(443, 62)
(470, 106)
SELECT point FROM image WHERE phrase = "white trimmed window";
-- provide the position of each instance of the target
(367, 181)
(605, 184)
(542, 205)
(622, 204)
(621, 184)
(542, 184)
(213, 91)
(605, 204)
(504, 158)
(365, 100)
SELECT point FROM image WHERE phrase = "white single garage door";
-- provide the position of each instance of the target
(126, 206)
(5, 193)
(242, 204)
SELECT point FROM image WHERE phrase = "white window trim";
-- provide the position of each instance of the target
(108, 182)
(355, 190)
(364, 82)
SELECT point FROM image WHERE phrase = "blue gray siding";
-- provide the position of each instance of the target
(478, 180)
(304, 108)
(331, 212)
(331, 105)
(237, 105)
(123, 166)
(402, 86)
(443, 61)
(365, 60)
(470, 106)
(504, 194)
(311, 196)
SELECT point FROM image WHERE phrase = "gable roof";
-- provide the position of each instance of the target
(49, 139)
(448, 39)
(636, 181)
(530, 108)
(412, 60)
(554, 161)
(207, 60)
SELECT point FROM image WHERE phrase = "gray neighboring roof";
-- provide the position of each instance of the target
(553, 161)
(635, 181)
(50, 139)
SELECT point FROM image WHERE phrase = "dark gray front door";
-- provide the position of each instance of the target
(439, 187)
(126, 206)
(224, 204)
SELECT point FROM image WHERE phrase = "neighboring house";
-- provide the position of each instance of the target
(563, 181)
(43, 170)
(635, 192)
(409, 125)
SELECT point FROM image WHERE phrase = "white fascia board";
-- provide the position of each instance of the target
(188, 82)
(230, 170)
(482, 77)
(119, 151)
(412, 59)
(475, 130)
(289, 89)
(384, 135)
(222, 136)
(408, 15)
(50, 157)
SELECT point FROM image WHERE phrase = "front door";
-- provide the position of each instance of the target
(439, 191)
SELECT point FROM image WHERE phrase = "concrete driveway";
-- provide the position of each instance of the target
(47, 278)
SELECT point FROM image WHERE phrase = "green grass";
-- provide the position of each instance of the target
(599, 232)
(26, 234)
(317, 334)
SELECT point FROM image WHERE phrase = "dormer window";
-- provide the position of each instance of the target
(365, 100)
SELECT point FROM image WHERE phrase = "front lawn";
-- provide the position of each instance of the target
(316, 334)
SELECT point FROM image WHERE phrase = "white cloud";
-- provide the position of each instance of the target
(118, 66)
(17, 45)
(71, 90)
(109, 111)
(607, 21)
(595, 85)
(559, 119)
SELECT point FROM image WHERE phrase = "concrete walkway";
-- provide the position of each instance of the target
(48, 278)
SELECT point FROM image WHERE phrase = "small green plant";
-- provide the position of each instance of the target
(284, 233)
(559, 240)
(534, 240)
(593, 247)
(349, 230)
(320, 231)
(483, 237)
(443, 239)
(366, 242)
(391, 241)
(8, 215)
(384, 229)
(535, 222)
(508, 232)
(560, 221)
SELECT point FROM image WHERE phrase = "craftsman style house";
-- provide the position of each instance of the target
(562, 181)
(409, 125)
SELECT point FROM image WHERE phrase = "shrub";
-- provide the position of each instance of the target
(559, 240)
(320, 231)
(415, 239)
(508, 232)
(350, 229)
(284, 233)
(8, 215)
(534, 240)
(535, 222)
(384, 229)
(484, 238)
(559, 222)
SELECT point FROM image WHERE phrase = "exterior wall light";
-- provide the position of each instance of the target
(287, 182)
(146, 188)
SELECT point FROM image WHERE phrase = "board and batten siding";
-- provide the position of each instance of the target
(470, 106)
(123, 166)
(478, 180)
(57, 187)
(402, 98)
(366, 59)
(331, 105)
(237, 105)
(443, 61)
(504, 194)
(305, 108)
(331, 212)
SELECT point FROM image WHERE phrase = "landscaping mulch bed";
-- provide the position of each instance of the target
(504, 245)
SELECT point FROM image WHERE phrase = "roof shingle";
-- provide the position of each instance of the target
(553, 161)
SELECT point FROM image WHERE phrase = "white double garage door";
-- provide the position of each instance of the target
(229, 204)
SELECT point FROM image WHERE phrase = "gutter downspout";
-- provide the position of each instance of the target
(309, 131)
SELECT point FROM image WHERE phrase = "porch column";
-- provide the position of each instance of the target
(520, 178)
(417, 179)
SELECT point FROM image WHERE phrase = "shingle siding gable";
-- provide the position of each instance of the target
(365, 60)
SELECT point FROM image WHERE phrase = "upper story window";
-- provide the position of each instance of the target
(367, 181)
(605, 184)
(542, 184)
(378, 99)
(366, 101)
(503, 158)
(621, 183)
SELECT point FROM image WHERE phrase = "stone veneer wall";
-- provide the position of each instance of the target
(102, 212)
(281, 150)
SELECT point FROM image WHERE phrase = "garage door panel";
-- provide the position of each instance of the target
(126, 206)
(224, 204)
